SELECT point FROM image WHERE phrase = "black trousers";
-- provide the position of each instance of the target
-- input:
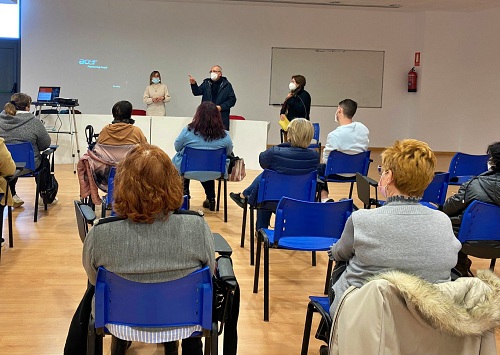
(208, 186)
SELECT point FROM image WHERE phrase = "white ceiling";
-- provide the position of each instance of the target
(393, 5)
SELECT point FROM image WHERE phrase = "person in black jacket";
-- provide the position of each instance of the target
(218, 90)
(297, 103)
(292, 158)
(484, 187)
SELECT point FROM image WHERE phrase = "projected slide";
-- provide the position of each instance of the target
(9, 19)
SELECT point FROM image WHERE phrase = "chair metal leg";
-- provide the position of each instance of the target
(257, 265)
(307, 329)
(225, 201)
(11, 236)
(208, 345)
(313, 258)
(350, 190)
(1, 225)
(214, 340)
(492, 264)
(252, 234)
(266, 280)
(328, 276)
(244, 224)
(218, 196)
(37, 195)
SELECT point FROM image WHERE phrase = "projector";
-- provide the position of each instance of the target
(66, 102)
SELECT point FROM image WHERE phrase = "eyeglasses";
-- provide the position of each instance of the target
(214, 71)
(380, 170)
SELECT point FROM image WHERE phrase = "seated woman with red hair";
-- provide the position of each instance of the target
(150, 241)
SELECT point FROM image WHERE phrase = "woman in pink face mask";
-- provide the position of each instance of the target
(403, 234)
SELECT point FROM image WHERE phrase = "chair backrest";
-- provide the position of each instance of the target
(295, 218)
(342, 163)
(85, 216)
(111, 185)
(185, 202)
(437, 189)
(183, 302)
(316, 132)
(273, 186)
(23, 152)
(364, 186)
(467, 166)
(138, 112)
(204, 160)
(239, 118)
(480, 221)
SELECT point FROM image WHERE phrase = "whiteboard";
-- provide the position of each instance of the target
(331, 75)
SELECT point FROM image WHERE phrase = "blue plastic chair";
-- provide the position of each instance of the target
(464, 167)
(197, 160)
(341, 163)
(317, 143)
(184, 302)
(108, 199)
(272, 187)
(435, 194)
(317, 304)
(185, 202)
(23, 153)
(301, 226)
(480, 231)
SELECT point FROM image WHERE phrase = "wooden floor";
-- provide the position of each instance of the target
(42, 279)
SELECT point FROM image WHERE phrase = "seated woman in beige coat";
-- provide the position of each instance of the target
(7, 168)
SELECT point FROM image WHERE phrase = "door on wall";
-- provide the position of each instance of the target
(9, 72)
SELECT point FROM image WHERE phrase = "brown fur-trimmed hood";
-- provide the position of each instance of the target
(469, 306)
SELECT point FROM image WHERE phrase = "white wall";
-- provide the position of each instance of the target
(450, 111)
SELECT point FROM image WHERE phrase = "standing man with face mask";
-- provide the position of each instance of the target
(349, 137)
(218, 90)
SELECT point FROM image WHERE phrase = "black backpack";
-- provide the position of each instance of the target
(48, 185)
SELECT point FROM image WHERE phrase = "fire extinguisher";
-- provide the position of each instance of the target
(412, 80)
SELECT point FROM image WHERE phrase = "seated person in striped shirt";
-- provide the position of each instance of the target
(148, 242)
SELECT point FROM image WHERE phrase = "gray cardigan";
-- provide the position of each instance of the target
(162, 251)
(404, 236)
(25, 127)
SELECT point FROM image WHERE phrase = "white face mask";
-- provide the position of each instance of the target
(489, 166)
(382, 189)
(214, 76)
(155, 80)
(292, 86)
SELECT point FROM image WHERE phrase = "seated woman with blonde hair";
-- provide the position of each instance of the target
(291, 158)
(403, 234)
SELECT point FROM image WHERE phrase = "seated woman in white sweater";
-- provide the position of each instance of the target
(403, 234)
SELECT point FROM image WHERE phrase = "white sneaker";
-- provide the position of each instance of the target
(40, 201)
(16, 201)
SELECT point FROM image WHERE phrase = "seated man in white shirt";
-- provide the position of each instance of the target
(349, 137)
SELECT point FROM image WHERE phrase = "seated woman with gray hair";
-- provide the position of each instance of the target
(292, 158)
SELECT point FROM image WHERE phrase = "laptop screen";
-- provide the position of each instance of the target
(48, 93)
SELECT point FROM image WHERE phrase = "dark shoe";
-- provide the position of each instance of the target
(171, 347)
(323, 350)
(237, 199)
(463, 265)
(210, 204)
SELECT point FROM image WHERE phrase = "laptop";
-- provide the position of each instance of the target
(48, 94)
